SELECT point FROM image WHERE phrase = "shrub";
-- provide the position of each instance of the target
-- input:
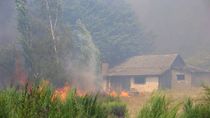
(115, 109)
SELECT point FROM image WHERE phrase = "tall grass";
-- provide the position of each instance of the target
(158, 107)
(199, 109)
(36, 102)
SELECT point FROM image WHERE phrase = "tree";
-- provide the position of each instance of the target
(7, 42)
(89, 54)
(45, 41)
(86, 64)
(115, 29)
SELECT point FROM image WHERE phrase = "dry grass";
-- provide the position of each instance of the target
(134, 103)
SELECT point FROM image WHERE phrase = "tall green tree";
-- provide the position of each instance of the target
(7, 42)
(88, 53)
(47, 42)
(114, 27)
(86, 62)
(24, 28)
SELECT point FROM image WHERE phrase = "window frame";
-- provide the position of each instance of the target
(140, 80)
(180, 77)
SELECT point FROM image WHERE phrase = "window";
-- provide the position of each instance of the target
(140, 80)
(180, 77)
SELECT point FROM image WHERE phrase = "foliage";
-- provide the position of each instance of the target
(49, 46)
(115, 109)
(88, 54)
(158, 107)
(44, 54)
(192, 110)
(113, 26)
(24, 29)
(199, 109)
(37, 102)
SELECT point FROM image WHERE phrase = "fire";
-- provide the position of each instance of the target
(20, 72)
(121, 94)
(113, 94)
(124, 94)
(43, 85)
(61, 93)
(80, 92)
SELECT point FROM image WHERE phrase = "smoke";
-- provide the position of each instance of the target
(84, 68)
(7, 21)
(179, 25)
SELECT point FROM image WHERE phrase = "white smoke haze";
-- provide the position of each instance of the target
(8, 27)
(82, 77)
(181, 26)
(84, 69)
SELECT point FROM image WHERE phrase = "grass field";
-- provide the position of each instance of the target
(135, 103)
(45, 102)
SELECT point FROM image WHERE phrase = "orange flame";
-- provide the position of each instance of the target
(113, 94)
(124, 94)
(43, 85)
(121, 94)
(61, 93)
(80, 92)
(20, 73)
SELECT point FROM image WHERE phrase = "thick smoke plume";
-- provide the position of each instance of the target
(85, 67)
(179, 25)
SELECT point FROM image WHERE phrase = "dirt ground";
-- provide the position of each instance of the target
(134, 103)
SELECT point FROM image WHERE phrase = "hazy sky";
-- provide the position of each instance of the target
(179, 25)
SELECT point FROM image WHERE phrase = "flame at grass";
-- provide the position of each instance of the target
(62, 93)
(121, 94)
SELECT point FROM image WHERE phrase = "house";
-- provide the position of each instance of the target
(151, 72)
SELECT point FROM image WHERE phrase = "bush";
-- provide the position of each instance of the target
(115, 109)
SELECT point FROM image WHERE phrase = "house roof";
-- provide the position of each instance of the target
(196, 69)
(144, 65)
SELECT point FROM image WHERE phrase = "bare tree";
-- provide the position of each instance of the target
(53, 9)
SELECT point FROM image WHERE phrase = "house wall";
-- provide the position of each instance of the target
(119, 83)
(180, 84)
(150, 85)
(165, 80)
(199, 78)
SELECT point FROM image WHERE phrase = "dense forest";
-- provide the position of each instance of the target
(62, 39)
